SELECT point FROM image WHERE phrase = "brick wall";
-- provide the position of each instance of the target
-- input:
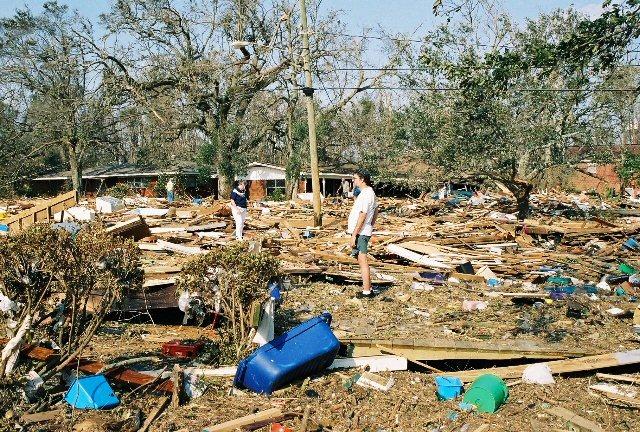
(597, 177)
(257, 190)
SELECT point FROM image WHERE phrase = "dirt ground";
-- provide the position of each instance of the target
(411, 404)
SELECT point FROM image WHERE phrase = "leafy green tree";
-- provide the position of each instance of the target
(511, 115)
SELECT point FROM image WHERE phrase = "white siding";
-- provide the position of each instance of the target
(264, 173)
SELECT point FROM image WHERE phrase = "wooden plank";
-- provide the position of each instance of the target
(559, 366)
(161, 269)
(208, 227)
(186, 250)
(150, 247)
(294, 232)
(448, 349)
(167, 229)
(616, 396)
(152, 283)
(619, 378)
(382, 363)
(575, 419)
(135, 227)
(270, 415)
(416, 257)
(153, 415)
(27, 419)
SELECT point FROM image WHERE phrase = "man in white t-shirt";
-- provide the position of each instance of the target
(361, 221)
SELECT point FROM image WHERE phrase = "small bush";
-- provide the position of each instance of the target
(230, 279)
(120, 190)
(277, 195)
(48, 276)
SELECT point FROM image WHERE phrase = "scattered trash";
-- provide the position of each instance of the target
(108, 204)
(631, 244)
(182, 349)
(576, 309)
(616, 312)
(473, 305)
(538, 373)
(194, 385)
(422, 286)
(277, 427)
(372, 381)
(34, 384)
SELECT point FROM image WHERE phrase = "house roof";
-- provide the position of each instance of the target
(325, 174)
(125, 170)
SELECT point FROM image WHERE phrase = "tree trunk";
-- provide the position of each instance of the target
(292, 173)
(225, 185)
(75, 167)
(292, 179)
(521, 190)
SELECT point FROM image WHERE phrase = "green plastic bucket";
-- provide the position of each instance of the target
(627, 269)
(488, 392)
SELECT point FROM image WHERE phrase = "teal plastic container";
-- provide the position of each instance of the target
(488, 392)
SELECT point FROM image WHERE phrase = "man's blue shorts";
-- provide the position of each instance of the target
(362, 243)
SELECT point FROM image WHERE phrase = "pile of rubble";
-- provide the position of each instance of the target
(546, 306)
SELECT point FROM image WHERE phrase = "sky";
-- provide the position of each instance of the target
(397, 16)
(413, 18)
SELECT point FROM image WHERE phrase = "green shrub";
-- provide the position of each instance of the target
(120, 190)
(231, 279)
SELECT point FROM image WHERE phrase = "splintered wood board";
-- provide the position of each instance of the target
(558, 366)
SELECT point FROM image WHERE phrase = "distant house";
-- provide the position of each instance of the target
(267, 180)
(142, 179)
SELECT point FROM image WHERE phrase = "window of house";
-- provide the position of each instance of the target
(138, 182)
(275, 187)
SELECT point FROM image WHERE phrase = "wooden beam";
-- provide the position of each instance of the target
(559, 366)
(153, 415)
(270, 415)
(575, 419)
(135, 227)
(448, 349)
(619, 378)
(186, 250)
(416, 257)
(27, 419)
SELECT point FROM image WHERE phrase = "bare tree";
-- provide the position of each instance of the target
(62, 102)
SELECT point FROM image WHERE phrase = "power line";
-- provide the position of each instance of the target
(399, 39)
(444, 89)
(423, 69)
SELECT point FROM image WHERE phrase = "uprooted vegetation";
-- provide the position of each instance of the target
(57, 288)
(230, 282)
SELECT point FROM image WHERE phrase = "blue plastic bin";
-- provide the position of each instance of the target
(300, 352)
(91, 392)
(448, 388)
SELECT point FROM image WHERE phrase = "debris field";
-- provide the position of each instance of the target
(462, 288)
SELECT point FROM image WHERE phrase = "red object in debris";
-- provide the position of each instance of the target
(177, 348)
(277, 427)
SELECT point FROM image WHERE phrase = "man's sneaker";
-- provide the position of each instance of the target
(362, 295)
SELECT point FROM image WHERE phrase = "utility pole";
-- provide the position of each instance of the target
(311, 118)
